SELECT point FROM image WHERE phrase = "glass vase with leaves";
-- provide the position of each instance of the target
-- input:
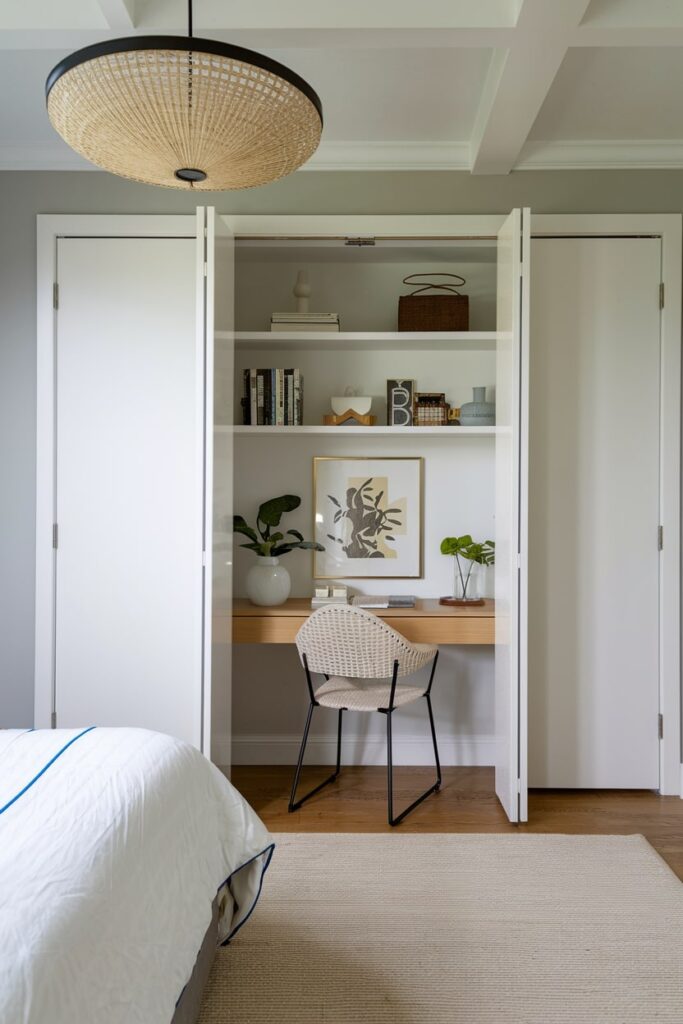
(468, 556)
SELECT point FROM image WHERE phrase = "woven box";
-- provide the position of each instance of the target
(448, 310)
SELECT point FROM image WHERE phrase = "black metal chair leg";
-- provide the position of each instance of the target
(390, 771)
(295, 804)
(436, 749)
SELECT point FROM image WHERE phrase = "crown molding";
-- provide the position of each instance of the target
(407, 156)
(596, 154)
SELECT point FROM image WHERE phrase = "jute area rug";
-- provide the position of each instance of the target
(391, 929)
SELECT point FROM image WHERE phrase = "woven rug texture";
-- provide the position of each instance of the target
(444, 929)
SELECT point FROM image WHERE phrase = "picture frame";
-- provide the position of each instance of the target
(377, 535)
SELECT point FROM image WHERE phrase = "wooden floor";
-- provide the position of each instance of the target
(356, 802)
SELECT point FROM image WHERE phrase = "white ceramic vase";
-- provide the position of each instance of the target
(268, 582)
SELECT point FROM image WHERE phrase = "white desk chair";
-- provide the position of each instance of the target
(348, 646)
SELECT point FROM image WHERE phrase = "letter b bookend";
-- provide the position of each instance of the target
(400, 403)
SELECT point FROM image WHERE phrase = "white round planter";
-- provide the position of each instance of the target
(268, 582)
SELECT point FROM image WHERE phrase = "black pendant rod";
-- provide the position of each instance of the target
(189, 18)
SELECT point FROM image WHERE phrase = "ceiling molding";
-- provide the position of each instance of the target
(518, 81)
(119, 14)
(606, 154)
(409, 156)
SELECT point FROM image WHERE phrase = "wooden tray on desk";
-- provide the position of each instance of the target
(427, 622)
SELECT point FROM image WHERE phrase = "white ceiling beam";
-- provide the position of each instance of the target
(518, 81)
(119, 14)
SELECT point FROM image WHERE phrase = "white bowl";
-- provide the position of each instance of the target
(357, 403)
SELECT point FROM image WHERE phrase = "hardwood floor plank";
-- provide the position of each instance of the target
(466, 803)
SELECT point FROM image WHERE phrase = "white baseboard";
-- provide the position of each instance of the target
(356, 750)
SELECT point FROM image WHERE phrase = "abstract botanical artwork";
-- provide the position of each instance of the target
(368, 521)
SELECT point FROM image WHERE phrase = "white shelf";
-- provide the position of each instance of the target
(455, 341)
(402, 431)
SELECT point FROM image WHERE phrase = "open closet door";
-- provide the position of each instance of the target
(218, 276)
(512, 378)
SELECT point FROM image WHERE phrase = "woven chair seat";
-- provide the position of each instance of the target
(342, 692)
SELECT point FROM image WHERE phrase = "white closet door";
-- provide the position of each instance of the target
(129, 502)
(594, 561)
(220, 317)
(512, 349)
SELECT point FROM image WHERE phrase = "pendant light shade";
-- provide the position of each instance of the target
(184, 112)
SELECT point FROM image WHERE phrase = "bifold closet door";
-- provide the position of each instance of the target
(512, 345)
(594, 513)
(129, 488)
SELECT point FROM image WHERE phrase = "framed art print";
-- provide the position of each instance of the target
(368, 516)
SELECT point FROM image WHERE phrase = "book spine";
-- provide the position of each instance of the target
(297, 398)
(267, 398)
(253, 406)
(278, 412)
(259, 397)
(246, 408)
(290, 396)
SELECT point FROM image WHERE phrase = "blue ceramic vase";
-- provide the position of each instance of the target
(479, 412)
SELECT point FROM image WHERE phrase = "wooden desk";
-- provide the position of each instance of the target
(428, 623)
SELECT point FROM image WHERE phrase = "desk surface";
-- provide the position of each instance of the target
(427, 622)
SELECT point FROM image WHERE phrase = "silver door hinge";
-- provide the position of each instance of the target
(55, 535)
(55, 296)
(359, 241)
(519, 785)
(206, 269)
(660, 538)
(519, 560)
(661, 295)
(53, 720)
(660, 726)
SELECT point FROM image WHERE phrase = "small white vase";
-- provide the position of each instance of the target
(268, 582)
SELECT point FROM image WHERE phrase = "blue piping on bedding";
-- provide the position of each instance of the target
(44, 768)
(269, 850)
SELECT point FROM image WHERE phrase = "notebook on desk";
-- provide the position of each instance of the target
(378, 601)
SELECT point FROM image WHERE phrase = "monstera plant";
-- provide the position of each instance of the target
(467, 553)
(268, 582)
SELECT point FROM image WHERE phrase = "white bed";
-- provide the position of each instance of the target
(114, 845)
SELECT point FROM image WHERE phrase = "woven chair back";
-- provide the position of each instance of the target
(342, 640)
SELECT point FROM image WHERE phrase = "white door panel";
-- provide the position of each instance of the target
(511, 503)
(594, 563)
(128, 576)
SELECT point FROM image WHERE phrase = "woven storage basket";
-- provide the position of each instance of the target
(442, 312)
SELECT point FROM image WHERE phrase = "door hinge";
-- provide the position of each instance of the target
(661, 295)
(206, 269)
(55, 296)
(660, 726)
(519, 785)
(660, 538)
(55, 535)
(53, 720)
(359, 241)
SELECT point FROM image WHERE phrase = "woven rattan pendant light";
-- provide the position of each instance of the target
(184, 112)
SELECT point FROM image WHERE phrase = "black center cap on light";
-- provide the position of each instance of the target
(190, 174)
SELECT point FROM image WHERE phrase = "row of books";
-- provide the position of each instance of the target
(273, 397)
(304, 322)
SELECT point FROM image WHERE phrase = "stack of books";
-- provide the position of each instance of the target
(335, 594)
(304, 322)
(273, 398)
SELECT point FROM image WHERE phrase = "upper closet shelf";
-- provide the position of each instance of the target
(455, 341)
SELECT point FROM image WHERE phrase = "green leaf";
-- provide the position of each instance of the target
(295, 533)
(271, 512)
(240, 526)
(253, 547)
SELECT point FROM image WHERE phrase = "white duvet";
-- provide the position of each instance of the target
(113, 846)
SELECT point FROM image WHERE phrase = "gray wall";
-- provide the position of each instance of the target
(25, 194)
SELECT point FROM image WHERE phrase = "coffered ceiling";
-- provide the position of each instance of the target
(482, 85)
